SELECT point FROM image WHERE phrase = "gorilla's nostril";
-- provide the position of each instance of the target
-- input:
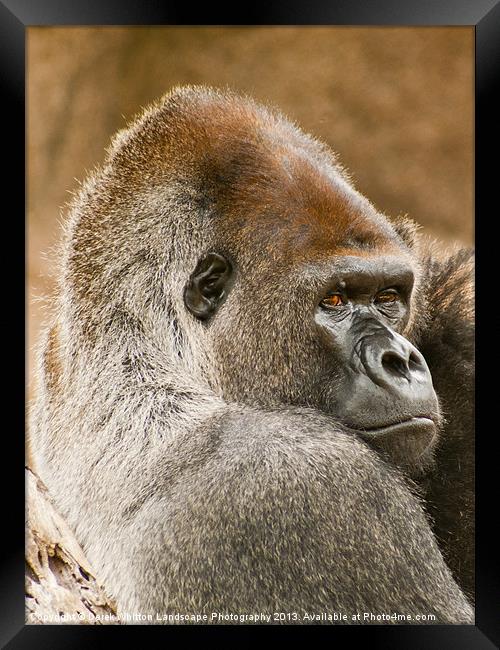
(414, 361)
(394, 364)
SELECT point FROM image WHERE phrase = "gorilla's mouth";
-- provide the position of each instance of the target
(422, 422)
(406, 442)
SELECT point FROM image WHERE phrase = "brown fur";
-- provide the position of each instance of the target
(197, 462)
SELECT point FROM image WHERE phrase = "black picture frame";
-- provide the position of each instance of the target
(484, 17)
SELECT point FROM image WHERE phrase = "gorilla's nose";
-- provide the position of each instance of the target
(393, 363)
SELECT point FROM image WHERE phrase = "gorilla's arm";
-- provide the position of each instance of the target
(284, 512)
(447, 342)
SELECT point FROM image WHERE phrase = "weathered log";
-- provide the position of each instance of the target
(61, 586)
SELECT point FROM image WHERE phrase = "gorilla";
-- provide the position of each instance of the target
(256, 391)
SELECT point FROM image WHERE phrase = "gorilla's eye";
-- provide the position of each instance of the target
(333, 300)
(387, 296)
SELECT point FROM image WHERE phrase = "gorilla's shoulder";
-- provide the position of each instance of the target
(448, 293)
(295, 441)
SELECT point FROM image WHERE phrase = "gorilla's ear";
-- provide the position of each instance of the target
(207, 286)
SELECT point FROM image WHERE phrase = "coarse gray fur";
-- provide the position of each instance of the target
(182, 455)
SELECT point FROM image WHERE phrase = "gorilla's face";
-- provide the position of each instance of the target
(307, 299)
(381, 385)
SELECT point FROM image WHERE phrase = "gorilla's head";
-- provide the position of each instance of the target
(264, 260)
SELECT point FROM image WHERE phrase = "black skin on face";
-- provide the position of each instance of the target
(385, 392)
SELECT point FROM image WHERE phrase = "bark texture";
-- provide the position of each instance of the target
(61, 586)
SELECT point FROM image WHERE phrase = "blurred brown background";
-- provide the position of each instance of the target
(395, 103)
